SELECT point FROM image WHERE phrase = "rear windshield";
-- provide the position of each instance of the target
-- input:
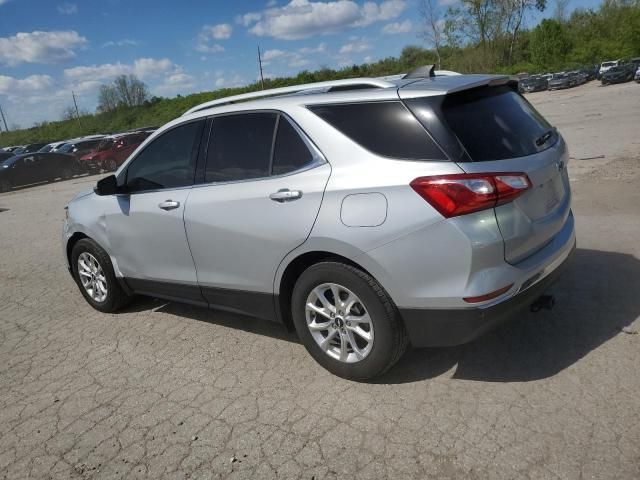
(494, 123)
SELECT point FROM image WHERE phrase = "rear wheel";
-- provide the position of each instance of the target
(346, 321)
(110, 165)
(93, 272)
(67, 173)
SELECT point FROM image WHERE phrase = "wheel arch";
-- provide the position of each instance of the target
(292, 272)
(71, 242)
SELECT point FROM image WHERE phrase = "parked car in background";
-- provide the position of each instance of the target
(112, 151)
(533, 84)
(5, 155)
(605, 66)
(28, 168)
(52, 147)
(618, 74)
(13, 148)
(589, 73)
(32, 147)
(563, 80)
(80, 148)
(637, 75)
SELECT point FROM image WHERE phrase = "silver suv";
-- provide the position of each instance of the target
(367, 214)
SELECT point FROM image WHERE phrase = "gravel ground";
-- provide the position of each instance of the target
(171, 391)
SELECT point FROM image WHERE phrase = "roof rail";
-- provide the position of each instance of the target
(327, 86)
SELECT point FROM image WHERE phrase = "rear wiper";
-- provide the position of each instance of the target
(544, 138)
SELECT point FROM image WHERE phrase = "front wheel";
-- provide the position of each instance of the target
(93, 272)
(5, 186)
(346, 321)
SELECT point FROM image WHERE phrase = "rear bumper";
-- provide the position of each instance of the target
(449, 327)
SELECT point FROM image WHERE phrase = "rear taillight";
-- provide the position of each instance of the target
(459, 194)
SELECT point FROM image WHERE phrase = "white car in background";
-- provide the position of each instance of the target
(605, 66)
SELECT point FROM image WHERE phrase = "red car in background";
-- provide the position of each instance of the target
(113, 151)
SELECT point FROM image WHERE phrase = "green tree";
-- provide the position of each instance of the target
(549, 45)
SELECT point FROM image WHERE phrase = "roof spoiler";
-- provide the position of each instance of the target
(424, 71)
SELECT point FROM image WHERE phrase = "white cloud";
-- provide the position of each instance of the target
(221, 31)
(178, 82)
(296, 58)
(11, 86)
(40, 47)
(358, 45)
(305, 18)
(248, 18)
(222, 80)
(68, 8)
(209, 33)
(396, 28)
(125, 42)
(2, 2)
(88, 78)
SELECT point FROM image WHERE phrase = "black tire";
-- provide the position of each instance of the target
(67, 174)
(110, 165)
(5, 186)
(390, 337)
(116, 297)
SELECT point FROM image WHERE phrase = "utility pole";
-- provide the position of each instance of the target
(4, 120)
(260, 64)
(77, 113)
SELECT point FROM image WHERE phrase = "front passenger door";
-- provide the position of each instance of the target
(145, 226)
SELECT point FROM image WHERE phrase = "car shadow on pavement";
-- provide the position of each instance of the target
(596, 297)
(203, 314)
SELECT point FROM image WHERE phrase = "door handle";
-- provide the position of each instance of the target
(285, 195)
(169, 205)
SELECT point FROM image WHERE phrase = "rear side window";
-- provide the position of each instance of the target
(495, 123)
(240, 147)
(384, 128)
(291, 153)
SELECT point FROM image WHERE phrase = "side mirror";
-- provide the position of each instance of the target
(107, 186)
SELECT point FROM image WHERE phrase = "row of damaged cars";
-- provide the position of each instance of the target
(24, 165)
(556, 81)
(620, 71)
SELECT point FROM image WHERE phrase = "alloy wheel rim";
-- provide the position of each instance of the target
(339, 323)
(92, 277)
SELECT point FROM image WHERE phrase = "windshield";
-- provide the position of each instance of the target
(559, 76)
(67, 147)
(46, 148)
(608, 64)
(618, 68)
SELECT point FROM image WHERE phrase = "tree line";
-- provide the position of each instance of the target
(473, 36)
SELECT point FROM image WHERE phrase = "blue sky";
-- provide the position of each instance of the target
(50, 47)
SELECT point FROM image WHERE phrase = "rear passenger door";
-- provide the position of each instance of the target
(262, 188)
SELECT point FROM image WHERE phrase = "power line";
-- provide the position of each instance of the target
(77, 113)
(4, 119)
(260, 64)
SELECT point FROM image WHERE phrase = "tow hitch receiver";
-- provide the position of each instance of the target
(545, 301)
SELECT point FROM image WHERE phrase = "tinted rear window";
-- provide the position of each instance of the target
(240, 147)
(384, 128)
(494, 123)
(290, 153)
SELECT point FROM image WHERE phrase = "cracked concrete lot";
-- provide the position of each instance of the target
(171, 391)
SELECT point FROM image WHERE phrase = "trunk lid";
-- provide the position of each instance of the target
(492, 128)
(532, 220)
